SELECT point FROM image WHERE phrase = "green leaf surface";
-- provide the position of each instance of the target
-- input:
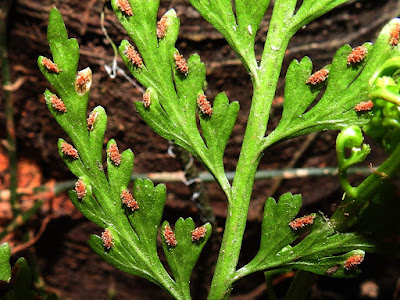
(310, 10)
(172, 112)
(217, 129)
(134, 244)
(331, 266)
(90, 208)
(120, 256)
(238, 27)
(132, 235)
(5, 267)
(21, 284)
(66, 55)
(146, 221)
(250, 13)
(119, 175)
(320, 252)
(74, 164)
(96, 135)
(347, 86)
(188, 87)
(185, 254)
(275, 225)
(325, 241)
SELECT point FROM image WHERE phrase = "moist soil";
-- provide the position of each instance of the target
(61, 256)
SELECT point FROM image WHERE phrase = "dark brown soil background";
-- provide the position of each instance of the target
(62, 257)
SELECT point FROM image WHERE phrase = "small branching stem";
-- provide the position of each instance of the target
(346, 213)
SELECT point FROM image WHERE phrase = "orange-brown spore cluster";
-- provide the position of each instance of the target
(91, 120)
(204, 105)
(146, 99)
(162, 26)
(50, 66)
(133, 56)
(114, 155)
(80, 189)
(125, 7)
(181, 63)
(357, 55)
(83, 81)
(395, 35)
(302, 222)
(58, 104)
(107, 239)
(169, 236)
(353, 261)
(318, 77)
(198, 233)
(128, 201)
(69, 150)
(364, 106)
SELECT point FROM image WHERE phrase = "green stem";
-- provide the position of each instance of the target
(346, 186)
(386, 94)
(264, 82)
(347, 212)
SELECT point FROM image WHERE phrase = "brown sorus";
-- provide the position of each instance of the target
(69, 150)
(169, 236)
(162, 27)
(357, 55)
(364, 106)
(146, 99)
(204, 105)
(318, 77)
(353, 261)
(107, 239)
(198, 233)
(58, 104)
(128, 200)
(80, 189)
(302, 222)
(125, 7)
(91, 120)
(395, 35)
(133, 56)
(114, 155)
(50, 66)
(181, 63)
(83, 81)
